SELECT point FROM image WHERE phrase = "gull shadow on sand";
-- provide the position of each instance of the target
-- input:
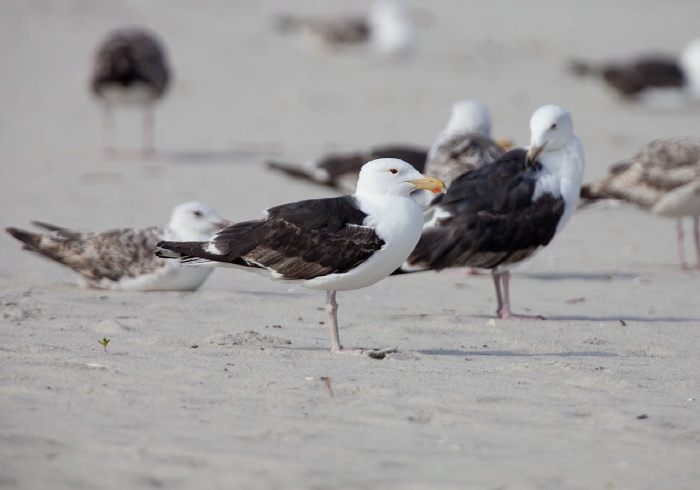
(618, 318)
(581, 276)
(626, 319)
(505, 353)
(216, 156)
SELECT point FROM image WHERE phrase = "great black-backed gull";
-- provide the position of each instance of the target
(387, 30)
(340, 170)
(500, 214)
(663, 178)
(124, 258)
(649, 75)
(130, 68)
(334, 244)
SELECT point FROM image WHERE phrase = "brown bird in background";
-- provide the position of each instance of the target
(130, 69)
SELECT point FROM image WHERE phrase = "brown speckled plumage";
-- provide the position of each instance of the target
(663, 178)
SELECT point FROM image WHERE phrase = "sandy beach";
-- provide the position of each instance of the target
(233, 386)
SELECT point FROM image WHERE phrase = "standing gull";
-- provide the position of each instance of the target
(334, 244)
(498, 215)
(124, 258)
(130, 68)
(663, 178)
(648, 74)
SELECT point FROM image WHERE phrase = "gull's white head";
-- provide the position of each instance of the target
(551, 128)
(469, 116)
(196, 221)
(690, 61)
(393, 177)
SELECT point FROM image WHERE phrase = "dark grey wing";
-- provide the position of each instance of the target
(129, 56)
(461, 153)
(489, 218)
(631, 79)
(301, 240)
(415, 156)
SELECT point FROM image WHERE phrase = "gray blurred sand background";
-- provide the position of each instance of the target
(185, 398)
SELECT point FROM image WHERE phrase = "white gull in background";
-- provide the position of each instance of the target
(334, 244)
(663, 178)
(650, 77)
(502, 213)
(387, 30)
(124, 258)
(130, 69)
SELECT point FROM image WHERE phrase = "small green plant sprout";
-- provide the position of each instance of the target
(104, 343)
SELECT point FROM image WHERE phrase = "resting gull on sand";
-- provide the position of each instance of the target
(124, 258)
(341, 169)
(663, 178)
(649, 75)
(464, 144)
(498, 215)
(130, 69)
(387, 30)
(334, 244)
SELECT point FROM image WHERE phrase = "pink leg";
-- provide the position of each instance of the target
(696, 232)
(504, 302)
(147, 130)
(107, 132)
(336, 348)
(680, 238)
(497, 282)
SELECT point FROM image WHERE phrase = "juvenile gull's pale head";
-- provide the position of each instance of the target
(469, 116)
(193, 221)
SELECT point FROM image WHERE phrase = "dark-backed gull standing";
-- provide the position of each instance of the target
(649, 75)
(334, 244)
(387, 30)
(498, 215)
(663, 178)
(130, 69)
(124, 258)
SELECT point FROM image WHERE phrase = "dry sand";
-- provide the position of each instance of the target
(184, 398)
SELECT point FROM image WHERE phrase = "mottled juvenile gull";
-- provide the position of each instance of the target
(124, 258)
(650, 74)
(663, 178)
(130, 69)
(335, 244)
(502, 213)
(465, 144)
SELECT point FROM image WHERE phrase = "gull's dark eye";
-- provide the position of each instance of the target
(394, 171)
(198, 214)
(553, 126)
